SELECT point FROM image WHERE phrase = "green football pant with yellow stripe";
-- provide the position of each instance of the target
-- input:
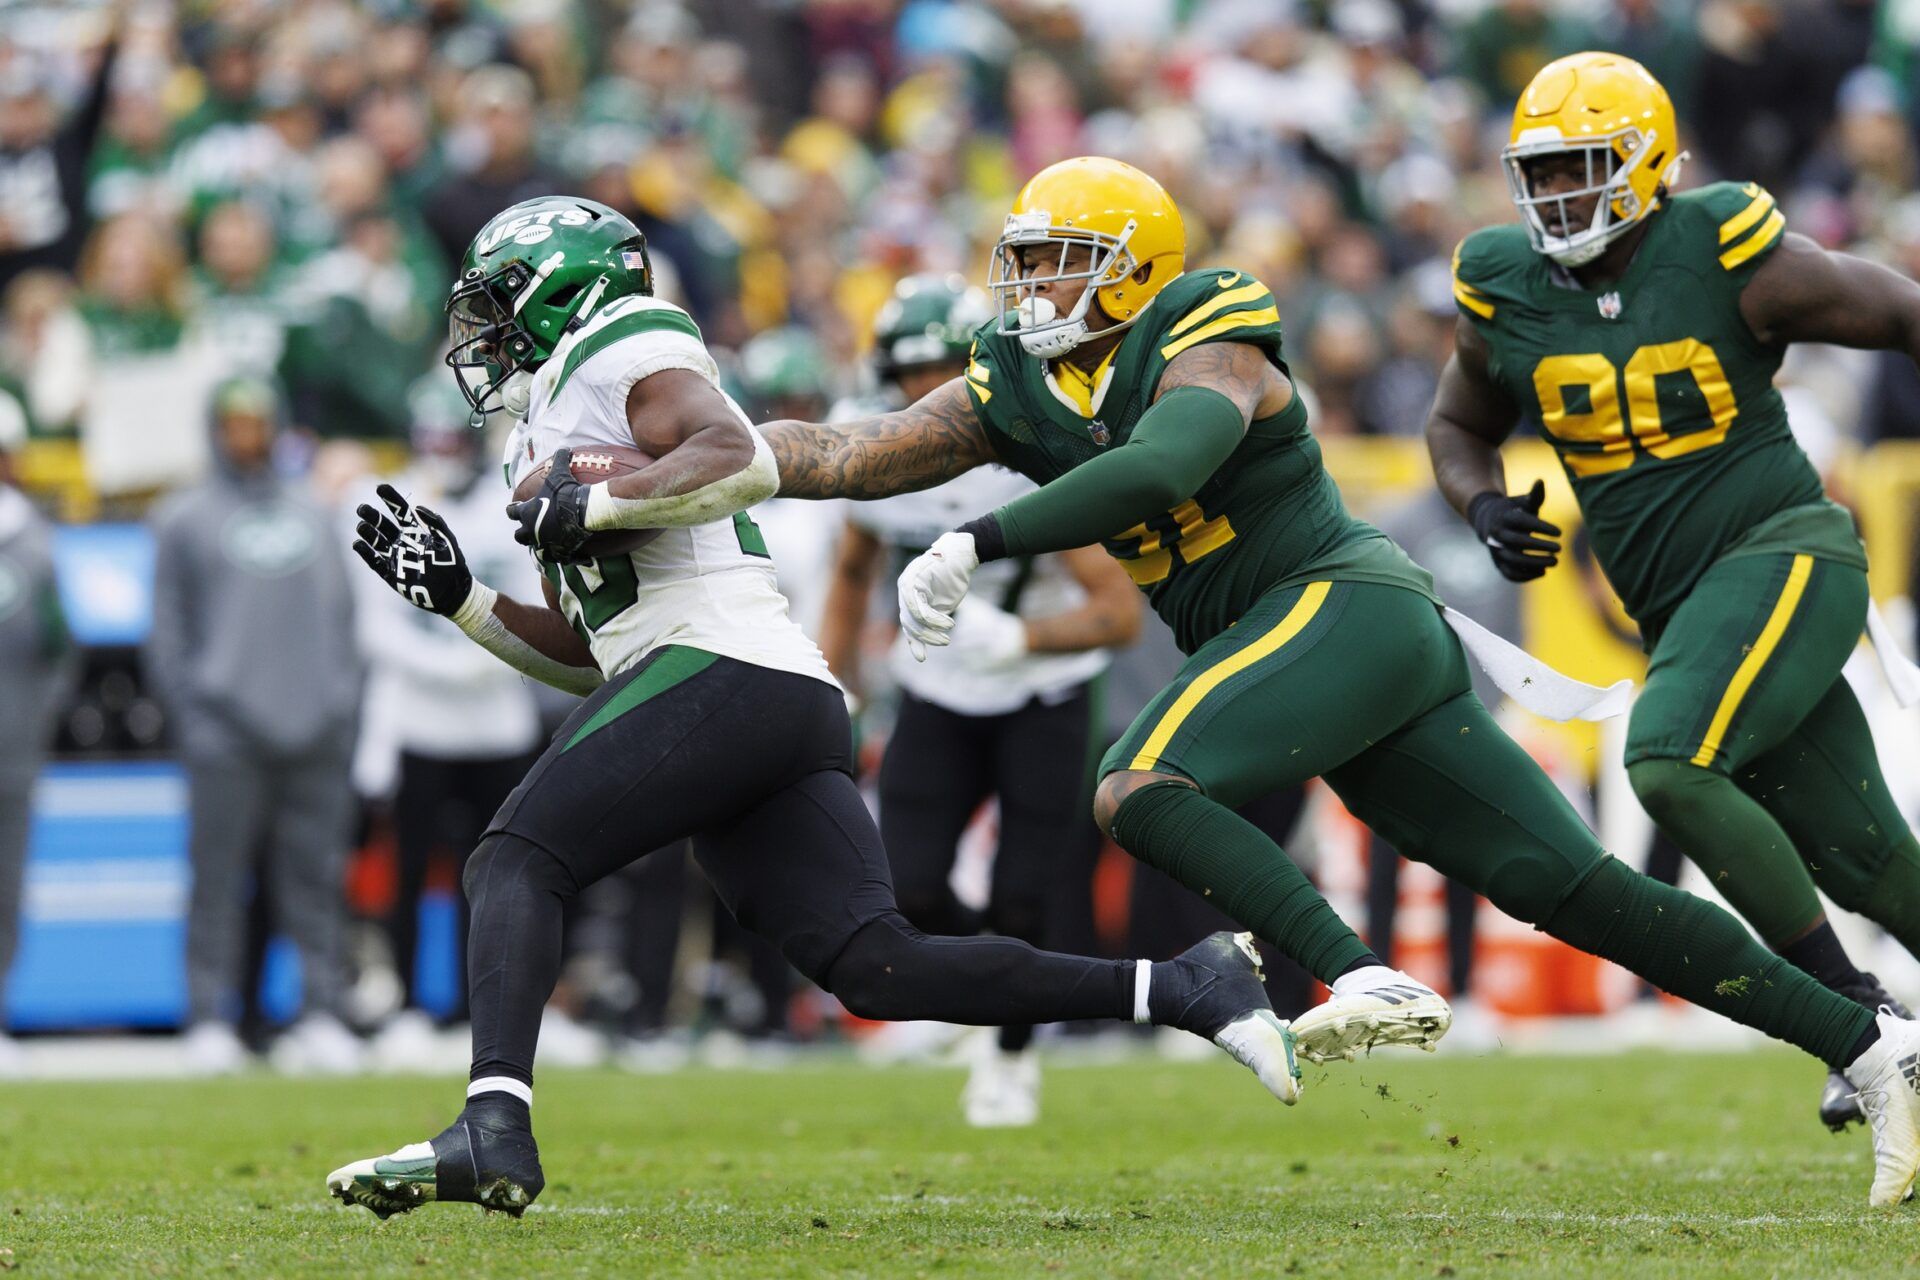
(1366, 685)
(1750, 750)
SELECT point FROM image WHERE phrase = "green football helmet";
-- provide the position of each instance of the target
(929, 320)
(783, 365)
(534, 274)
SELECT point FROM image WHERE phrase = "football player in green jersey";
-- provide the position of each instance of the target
(1640, 331)
(1155, 409)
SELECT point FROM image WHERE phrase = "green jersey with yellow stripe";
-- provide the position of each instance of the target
(1269, 516)
(1658, 397)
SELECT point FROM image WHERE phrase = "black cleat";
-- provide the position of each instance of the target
(1215, 990)
(1839, 1104)
(486, 1157)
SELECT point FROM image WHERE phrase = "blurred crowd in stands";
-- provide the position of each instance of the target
(227, 228)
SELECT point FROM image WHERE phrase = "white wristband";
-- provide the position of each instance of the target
(476, 608)
(475, 617)
(757, 481)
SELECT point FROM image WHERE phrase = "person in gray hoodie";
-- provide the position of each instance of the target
(33, 650)
(252, 654)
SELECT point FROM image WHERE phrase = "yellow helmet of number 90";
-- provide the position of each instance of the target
(1611, 112)
(1131, 227)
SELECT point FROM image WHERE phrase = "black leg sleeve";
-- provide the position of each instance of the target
(827, 902)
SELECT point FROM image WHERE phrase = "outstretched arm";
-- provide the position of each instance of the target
(1206, 399)
(1803, 293)
(928, 443)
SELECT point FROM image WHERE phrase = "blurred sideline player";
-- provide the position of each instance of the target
(34, 656)
(1004, 714)
(1154, 406)
(1641, 331)
(709, 713)
(448, 732)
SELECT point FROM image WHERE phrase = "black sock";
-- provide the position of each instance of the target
(1818, 952)
(1866, 1041)
(518, 896)
(1015, 1038)
(1363, 962)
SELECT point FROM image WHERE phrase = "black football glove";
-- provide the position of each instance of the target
(412, 549)
(1522, 544)
(553, 521)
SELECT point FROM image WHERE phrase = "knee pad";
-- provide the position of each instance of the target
(1666, 787)
(867, 975)
(1531, 885)
(503, 858)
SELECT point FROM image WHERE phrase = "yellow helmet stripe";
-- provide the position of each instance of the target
(1769, 232)
(1220, 301)
(1465, 295)
(1233, 320)
(1733, 228)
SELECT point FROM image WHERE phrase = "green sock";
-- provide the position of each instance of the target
(1220, 855)
(1743, 850)
(1689, 947)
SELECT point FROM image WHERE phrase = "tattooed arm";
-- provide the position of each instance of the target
(1206, 399)
(925, 444)
(1237, 370)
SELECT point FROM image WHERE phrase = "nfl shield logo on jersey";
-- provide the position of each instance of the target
(1098, 430)
(1610, 307)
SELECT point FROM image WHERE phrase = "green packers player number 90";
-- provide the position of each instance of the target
(1591, 419)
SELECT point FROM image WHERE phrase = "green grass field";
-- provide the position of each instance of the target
(1404, 1166)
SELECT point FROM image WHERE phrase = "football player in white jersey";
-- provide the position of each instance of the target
(709, 714)
(1004, 713)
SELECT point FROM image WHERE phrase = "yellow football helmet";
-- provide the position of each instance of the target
(1611, 111)
(1132, 226)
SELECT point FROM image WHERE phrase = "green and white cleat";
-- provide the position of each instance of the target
(391, 1184)
(1215, 989)
(487, 1157)
(1370, 1007)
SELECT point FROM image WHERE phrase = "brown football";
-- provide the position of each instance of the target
(591, 465)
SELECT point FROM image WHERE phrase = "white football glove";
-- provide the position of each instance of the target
(987, 638)
(931, 588)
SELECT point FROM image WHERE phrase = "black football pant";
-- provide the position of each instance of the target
(752, 764)
(940, 767)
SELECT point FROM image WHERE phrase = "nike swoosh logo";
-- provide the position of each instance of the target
(542, 518)
(1230, 281)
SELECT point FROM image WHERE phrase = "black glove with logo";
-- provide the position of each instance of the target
(412, 549)
(1522, 544)
(554, 520)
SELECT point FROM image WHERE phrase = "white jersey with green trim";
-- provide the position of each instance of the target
(709, 586)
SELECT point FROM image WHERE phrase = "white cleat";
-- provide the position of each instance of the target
(398, 1183)
(213, 1049)
(319, 1044)
(1003, 1089)
(1262, 1042)
(1369, 1007)
(1888, 1078)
